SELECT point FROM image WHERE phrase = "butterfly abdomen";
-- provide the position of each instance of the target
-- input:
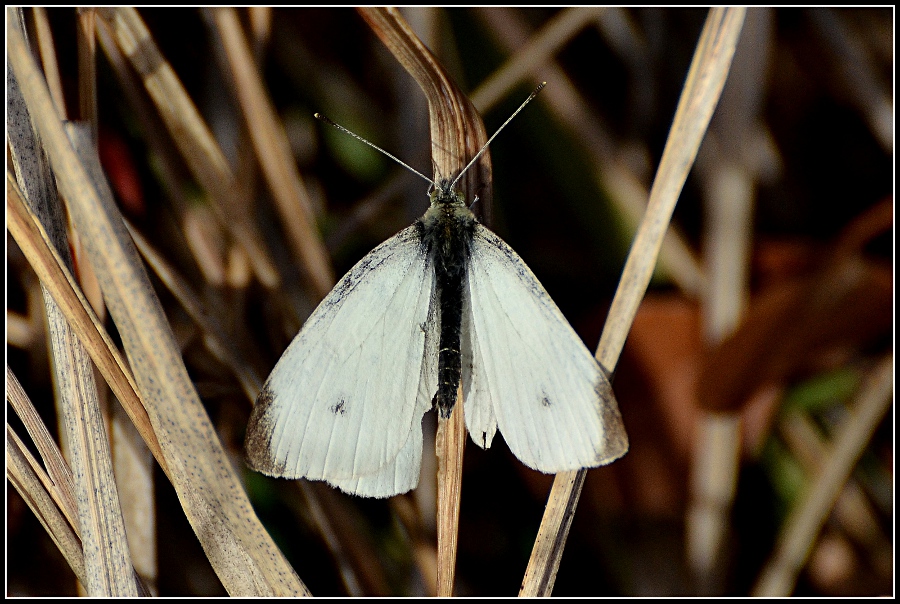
(447, 230)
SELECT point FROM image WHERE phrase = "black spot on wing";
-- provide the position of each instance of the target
(339, 408)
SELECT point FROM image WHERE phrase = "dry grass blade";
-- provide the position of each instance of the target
(26, 481)
(134, 467)
(273, 151)
(539, 49)
(50, 497)
(59, 477)
(540, 575)
(172, 171)
(47, 50)
(701, 92)
(570, 107)
(196, 143)
(677, 258)
(132, 462)
(698, 100)
(87, 99)
(211, 495)
(58, 281)
(730, 192)
(214, 335)
(457, 134)
(804, 522)
(87, 67)
(714, 474)
(729, 234)
(860, 82)
(452, 432)
(322, 519)
(53, 274)
(853, 511)
(107, 559)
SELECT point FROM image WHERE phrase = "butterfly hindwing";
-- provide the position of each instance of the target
(477, 397)
(398, 476)
(528, 372)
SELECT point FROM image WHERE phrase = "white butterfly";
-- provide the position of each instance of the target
(444, 300)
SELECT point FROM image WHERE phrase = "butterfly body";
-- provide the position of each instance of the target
(447, 230)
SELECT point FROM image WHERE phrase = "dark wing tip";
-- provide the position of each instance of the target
(615, 437)
(258, 440)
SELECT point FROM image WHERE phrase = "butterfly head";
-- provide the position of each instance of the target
(442, 194)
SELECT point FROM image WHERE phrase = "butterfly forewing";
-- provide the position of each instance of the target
(530, 372)
(343, 401)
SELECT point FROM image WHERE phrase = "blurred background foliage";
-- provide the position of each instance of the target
(810, 119)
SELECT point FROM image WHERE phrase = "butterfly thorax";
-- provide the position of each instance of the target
(447, 228)
(446, 232)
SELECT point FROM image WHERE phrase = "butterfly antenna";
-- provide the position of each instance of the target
(319, 116)
(484, 148)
